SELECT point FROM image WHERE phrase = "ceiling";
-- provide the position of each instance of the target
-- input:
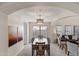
(10, 7)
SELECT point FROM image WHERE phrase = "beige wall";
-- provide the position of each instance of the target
(3, 34)
(16, 48)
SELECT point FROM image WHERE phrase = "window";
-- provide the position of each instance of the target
(36, 31)
(69, 30)
(40, 30)
(60, 29)
(44, 30)
(76, 30)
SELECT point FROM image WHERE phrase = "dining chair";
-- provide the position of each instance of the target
(40, 51)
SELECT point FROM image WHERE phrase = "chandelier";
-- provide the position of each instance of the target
(40, 20)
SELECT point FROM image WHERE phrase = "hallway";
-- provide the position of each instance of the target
(55, 51)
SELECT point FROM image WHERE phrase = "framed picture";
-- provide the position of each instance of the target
(12, 34)
(20, 33)
(15, 34)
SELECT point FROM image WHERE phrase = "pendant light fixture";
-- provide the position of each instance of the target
(40, 20)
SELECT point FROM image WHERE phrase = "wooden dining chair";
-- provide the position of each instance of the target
(40, 51)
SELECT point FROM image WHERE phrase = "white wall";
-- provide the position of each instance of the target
(16, 48)
(3, 34)
(68, 21)
(25, 33)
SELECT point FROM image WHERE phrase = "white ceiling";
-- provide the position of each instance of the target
(29, 11)
(10, 7)
(47, 12)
